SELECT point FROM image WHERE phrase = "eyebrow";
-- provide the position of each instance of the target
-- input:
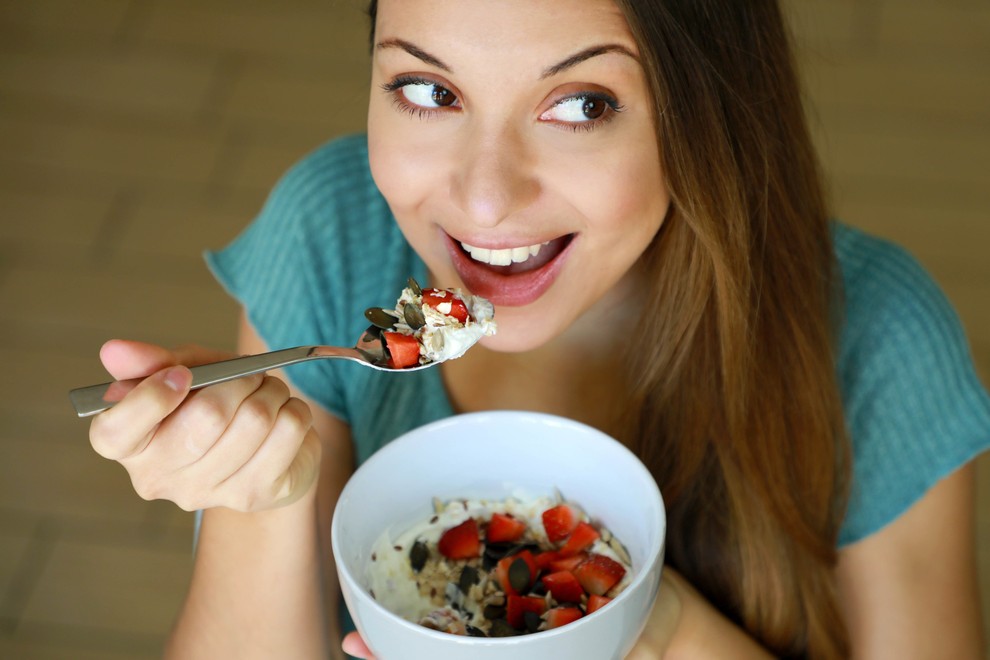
(415, 51)
(563, 65)
(586, 54)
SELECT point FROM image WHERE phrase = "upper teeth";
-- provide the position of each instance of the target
(503, 257)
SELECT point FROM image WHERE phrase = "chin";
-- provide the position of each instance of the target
(519, 332)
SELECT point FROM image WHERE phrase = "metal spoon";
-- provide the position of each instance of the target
(369, 352)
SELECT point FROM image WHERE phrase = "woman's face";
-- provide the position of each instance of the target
(515, 145)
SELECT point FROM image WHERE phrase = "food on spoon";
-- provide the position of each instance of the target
(443, 323)
(403, 349)
(489, 568)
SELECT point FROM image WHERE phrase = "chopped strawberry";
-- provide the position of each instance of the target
(567, 563)
(582, 537)
(546, 560)
(564, 587)
(598, 574)
(517, 606)
(596, 602)
(511, 581)
(559, 522)
(461, 542)
(561, 616)
(503, 527)
(404, 349)
(446, 302)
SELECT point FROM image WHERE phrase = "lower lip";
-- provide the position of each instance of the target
(501, 289)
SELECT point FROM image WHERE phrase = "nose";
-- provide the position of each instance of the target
(493, 176)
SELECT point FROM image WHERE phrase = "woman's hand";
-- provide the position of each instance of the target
(245, 444)
(354, 645)
(653, 643)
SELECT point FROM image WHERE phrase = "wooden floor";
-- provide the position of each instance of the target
(136, 133)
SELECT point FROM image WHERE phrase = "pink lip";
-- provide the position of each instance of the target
(502, 289)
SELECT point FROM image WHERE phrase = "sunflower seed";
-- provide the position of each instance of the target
(620, 550)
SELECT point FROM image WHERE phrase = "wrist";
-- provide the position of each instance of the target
(296, 520)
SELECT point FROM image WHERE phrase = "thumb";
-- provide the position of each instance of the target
(133, 359)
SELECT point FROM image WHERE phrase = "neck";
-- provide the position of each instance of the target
(576, 375)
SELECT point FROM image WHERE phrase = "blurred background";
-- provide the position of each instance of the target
(136, 133)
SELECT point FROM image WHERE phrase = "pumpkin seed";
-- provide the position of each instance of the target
(501, 628)
(532, 620)
(414, 287)
(519, 575)
(381, 318)
(413, 316)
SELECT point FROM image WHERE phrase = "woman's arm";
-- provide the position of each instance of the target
(684, 625)
(264, 584)
(910, 590)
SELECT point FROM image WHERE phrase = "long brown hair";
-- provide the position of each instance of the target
(739, 414)
(736, 408)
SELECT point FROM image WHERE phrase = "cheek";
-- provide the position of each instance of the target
(403, 170)
(622, 198)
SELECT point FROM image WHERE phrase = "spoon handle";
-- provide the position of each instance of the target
(97, 398)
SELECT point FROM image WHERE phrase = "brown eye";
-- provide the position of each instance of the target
(594, 108)
(587, 110)
(421, 94)
(443, 97)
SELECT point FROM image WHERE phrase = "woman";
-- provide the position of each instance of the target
(800, 391)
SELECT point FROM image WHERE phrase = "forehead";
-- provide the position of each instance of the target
(482, 28)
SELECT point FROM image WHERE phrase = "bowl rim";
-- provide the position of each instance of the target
(654, 555)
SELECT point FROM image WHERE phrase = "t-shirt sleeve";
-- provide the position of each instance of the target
(915, 408)
(286, 266)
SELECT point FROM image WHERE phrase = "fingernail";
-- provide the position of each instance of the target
(178, 378)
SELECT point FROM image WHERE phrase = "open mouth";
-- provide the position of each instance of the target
(510, 276)
(512, 261)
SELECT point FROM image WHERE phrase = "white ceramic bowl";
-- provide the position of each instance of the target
(491, 455)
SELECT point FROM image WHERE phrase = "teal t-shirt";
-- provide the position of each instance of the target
(325, 247)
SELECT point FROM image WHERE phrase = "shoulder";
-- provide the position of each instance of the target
(332, 176)
(915, 408)
(326, 224)
(892, 310)
(882, 277)
(895, 317)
